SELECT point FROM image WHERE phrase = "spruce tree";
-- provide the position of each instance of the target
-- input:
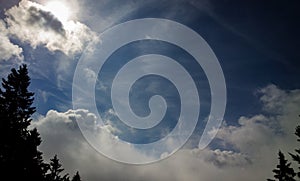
(56, 170)
(19, 156)
(76, 177)
(283, 171)
(296, 157)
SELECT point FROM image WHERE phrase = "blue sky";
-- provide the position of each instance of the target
(255, 43)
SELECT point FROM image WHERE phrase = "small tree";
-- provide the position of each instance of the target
(55, 171)
(283, 172)
(76, 177)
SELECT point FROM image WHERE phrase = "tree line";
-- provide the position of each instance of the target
(20, 158)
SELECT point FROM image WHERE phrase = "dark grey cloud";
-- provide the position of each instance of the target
(45, 19)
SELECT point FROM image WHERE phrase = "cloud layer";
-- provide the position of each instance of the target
(31, 23)
(247, 150)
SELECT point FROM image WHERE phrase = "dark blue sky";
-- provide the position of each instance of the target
(256, 43)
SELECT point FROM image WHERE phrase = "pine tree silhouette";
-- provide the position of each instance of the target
(283, 172)
(76, 177)
(56, 170)
(296, 157)
(19, 157)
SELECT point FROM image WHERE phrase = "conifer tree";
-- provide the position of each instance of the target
(76, 177)
(283, 171)
(56, 170)
(19, 156)
(296, 157)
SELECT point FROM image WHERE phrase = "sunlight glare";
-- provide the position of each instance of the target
(59, 10)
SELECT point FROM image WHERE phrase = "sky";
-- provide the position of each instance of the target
(159, 90)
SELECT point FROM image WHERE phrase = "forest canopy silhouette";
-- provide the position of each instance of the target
(20, 158)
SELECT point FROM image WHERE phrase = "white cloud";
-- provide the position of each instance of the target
(31, 23)
(61, 136)
(261, 136)
(251, 153)
(250, 133)
(224, 158)
(7, 48)
(63, 126)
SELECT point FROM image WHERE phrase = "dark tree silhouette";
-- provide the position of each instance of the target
(56, 170)
(19, 157)
(76, 177)
(283, 171)
(296, 157)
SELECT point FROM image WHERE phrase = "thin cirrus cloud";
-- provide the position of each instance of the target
(32, 23)
(247, 150)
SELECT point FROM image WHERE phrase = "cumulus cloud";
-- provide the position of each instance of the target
(61, 136)
(261, 136)
(32, 23)
(7, 48)
(249, 152)
(250, 133)
(65, 125)
(223, 158)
